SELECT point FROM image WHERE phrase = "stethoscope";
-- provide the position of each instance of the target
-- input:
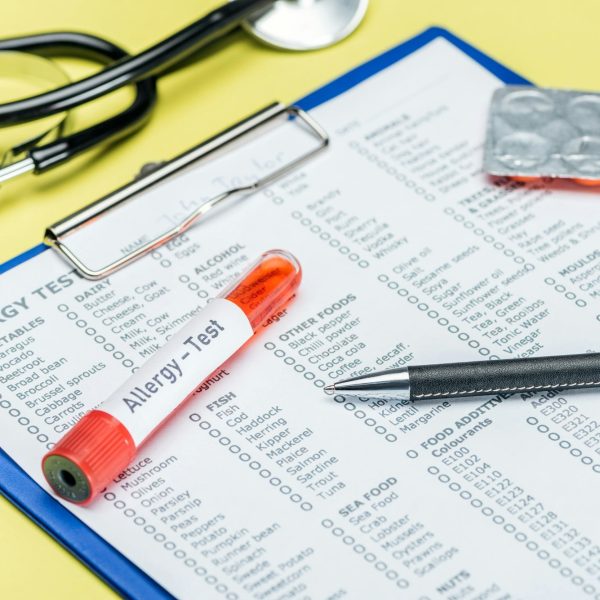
(287, 24)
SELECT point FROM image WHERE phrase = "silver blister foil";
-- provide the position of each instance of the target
(542, 132)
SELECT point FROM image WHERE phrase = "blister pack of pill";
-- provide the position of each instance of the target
(541, 132)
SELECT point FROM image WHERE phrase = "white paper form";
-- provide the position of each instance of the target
(263, 487)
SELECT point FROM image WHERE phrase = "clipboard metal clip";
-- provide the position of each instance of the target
(56, 235)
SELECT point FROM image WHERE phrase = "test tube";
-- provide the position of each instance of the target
(103, 443)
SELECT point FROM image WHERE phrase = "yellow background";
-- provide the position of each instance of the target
(552, 42)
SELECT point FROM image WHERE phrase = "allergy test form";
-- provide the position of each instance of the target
(262, 486)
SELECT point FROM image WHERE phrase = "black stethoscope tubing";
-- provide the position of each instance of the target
(129, 69)
(121, 124)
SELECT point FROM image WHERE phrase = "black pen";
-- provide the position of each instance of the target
(481, 378)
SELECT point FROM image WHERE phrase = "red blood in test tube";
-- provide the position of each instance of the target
(267, 287)
(103, 443)
(588, 182)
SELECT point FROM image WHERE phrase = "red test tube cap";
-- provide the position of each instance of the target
(86, 459)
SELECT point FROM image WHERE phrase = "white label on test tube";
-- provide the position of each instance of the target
(176, 369)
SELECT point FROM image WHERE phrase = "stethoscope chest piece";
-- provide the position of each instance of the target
(306, 24)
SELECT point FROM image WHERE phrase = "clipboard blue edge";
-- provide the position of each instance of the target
(108, 563)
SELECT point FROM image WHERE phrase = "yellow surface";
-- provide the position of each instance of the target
(552, 42)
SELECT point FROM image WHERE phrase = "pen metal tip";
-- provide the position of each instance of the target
(329, 388)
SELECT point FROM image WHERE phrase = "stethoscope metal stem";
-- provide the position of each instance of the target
(20, 167)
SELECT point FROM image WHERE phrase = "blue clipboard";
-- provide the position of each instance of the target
(107, 562)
